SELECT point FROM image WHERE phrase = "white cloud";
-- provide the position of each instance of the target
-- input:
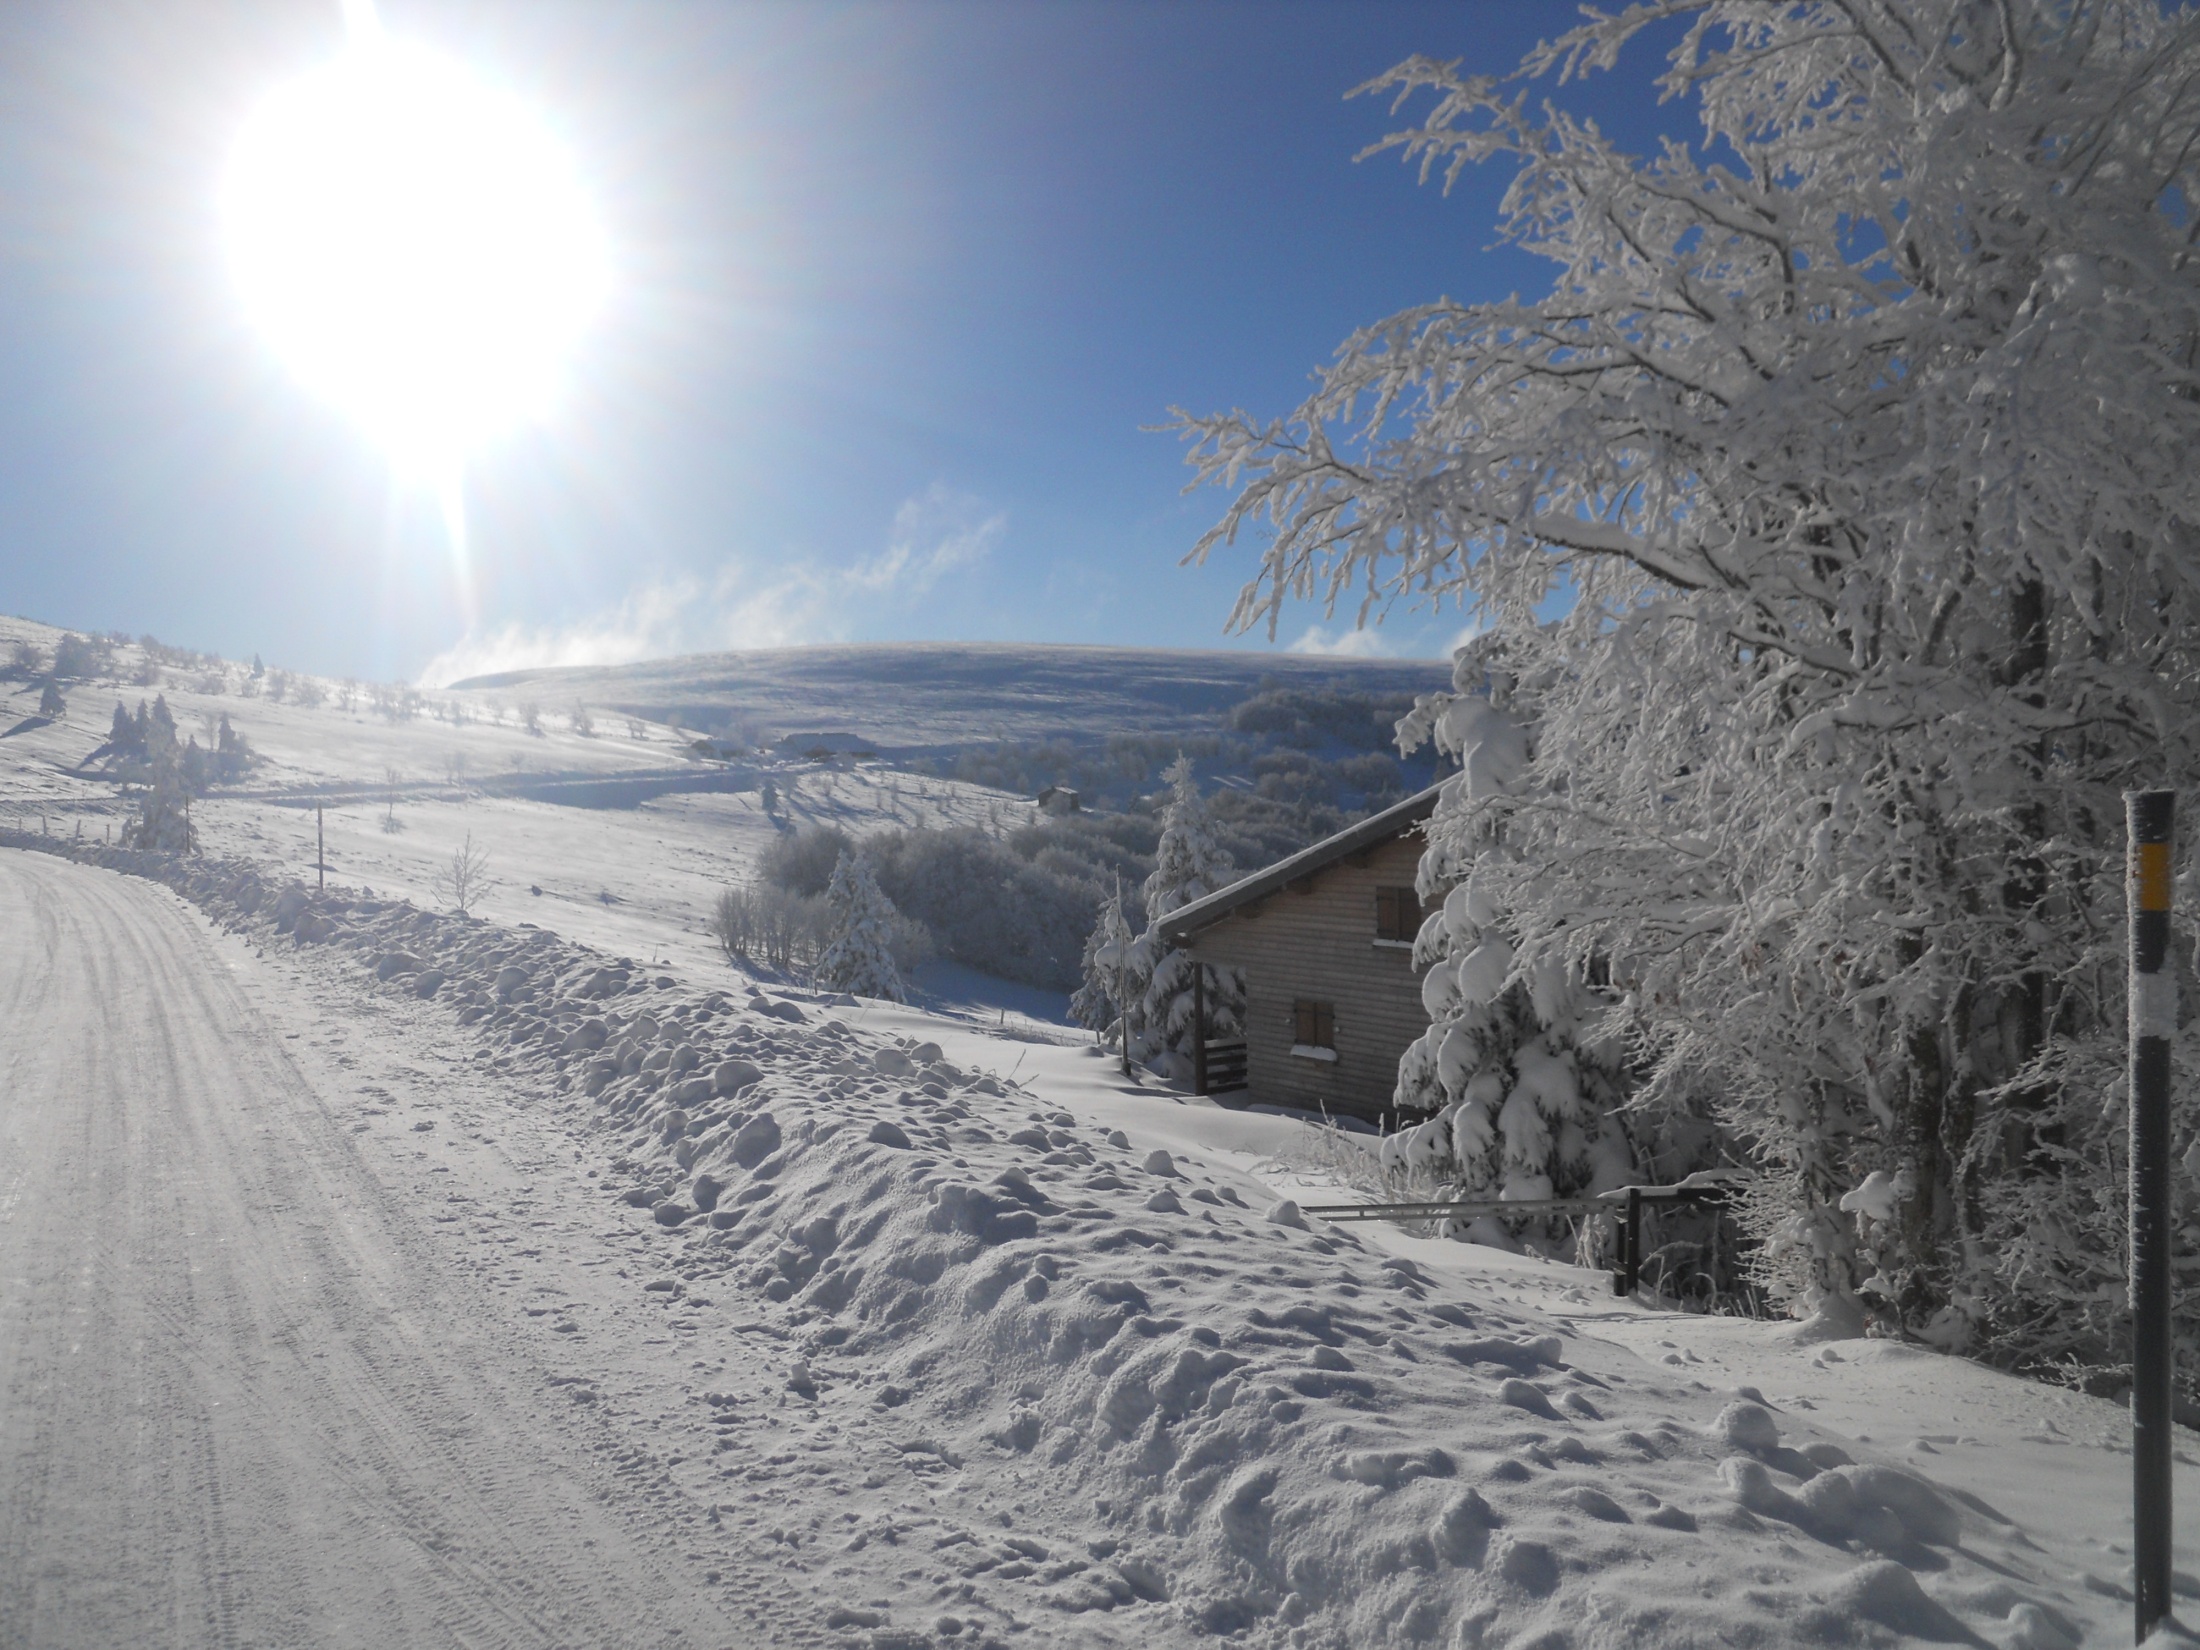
(1344, 644)
(935, 533)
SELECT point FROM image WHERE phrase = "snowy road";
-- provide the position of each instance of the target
(241, 1401)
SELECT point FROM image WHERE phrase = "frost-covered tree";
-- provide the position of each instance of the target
(859, 933)
(159, 728)
(464, 880)
(1158, 987)
(50, 702)
(233, 754)
(1097, 1002)
(1854, 442)
(1521, 1074)
(163, 820)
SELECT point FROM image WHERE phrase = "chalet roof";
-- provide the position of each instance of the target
(1371, 832)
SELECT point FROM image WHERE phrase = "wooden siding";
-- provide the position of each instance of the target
(1320, 944)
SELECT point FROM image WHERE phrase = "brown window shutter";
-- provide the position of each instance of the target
(1397, 914)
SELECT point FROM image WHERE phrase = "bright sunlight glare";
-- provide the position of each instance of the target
(416, 245)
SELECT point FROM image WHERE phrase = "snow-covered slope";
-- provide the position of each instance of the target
(972, 1345)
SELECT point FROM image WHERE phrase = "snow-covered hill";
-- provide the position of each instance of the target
(930, 696)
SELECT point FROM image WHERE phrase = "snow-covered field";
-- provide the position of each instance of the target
(637, 879)
(370, 1275)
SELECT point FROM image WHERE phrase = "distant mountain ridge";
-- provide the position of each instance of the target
(928, 696)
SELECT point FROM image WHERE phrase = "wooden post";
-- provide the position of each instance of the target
(2151, 819)
(1199, 1027)
(320, 850)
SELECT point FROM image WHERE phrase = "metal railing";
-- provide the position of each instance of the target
(1217, 1068)
(1624, 1204)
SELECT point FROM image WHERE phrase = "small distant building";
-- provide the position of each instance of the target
(1058, 799)
(1324, 943)
(828, 747)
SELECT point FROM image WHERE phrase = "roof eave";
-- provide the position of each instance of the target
(1393, 822)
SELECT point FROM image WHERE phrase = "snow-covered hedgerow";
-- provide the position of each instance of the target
(1851, 450)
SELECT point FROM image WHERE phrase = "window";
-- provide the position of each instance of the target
(1313, 1025)
(1397, 914)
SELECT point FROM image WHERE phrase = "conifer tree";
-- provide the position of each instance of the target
(164, 810)
(1188, 865)
(1097, 1002)
(859, 933)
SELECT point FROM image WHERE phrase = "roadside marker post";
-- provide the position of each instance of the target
(2151, 821)
(320, 848)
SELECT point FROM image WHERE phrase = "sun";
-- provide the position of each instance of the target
(416, 245)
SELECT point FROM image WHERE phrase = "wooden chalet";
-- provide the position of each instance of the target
(1324, 943)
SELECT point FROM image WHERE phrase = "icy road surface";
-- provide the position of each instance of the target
(245, 1398)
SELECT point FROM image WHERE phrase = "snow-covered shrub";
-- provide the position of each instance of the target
(1851, 452)
(50, 702)
(1158, 983)
(859, 933)
(464, 880)
(805, 860)
(986, 905)
(79, 658)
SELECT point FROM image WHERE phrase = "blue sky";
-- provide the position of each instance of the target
(896, 291)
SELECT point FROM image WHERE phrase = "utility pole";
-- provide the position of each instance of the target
(2151, 822)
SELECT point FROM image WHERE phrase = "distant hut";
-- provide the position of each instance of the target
(1058, 799)
(828, 747)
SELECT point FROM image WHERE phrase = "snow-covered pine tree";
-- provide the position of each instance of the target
(1096, 1004)
(160, 732)
(233, 754)
(122, 735)
(859, 933)
(1854, 444)
(1523, 1072)
(50, 702)
(1188, 865)
(164, 811)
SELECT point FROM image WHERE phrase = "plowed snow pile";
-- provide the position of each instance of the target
(1187, 1416)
